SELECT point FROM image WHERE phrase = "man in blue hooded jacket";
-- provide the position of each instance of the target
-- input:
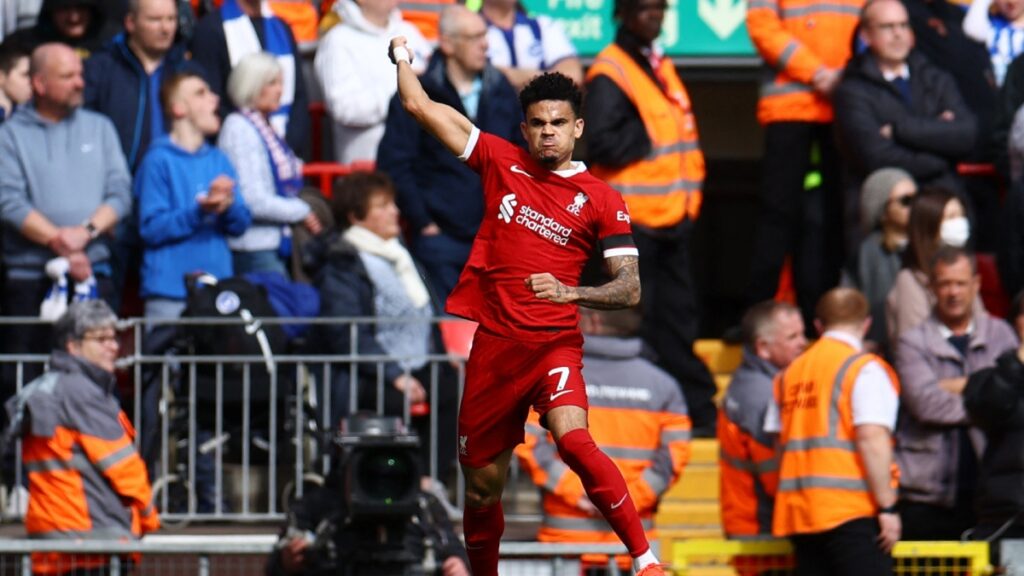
(122, 81)
(188, 206)
(440, 197)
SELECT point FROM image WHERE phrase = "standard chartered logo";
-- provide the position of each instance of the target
(533, 220)
(507, 208)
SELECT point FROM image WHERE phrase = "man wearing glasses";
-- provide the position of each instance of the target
(86, 481)
(895, 109)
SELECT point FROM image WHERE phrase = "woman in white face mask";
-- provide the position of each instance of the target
(937, 217)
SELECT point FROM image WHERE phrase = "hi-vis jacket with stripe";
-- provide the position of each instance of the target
(797, 38)
(637, 417)
(665, 187)
(425, 15)
(749, 467)
(822, 480)
(85, 478)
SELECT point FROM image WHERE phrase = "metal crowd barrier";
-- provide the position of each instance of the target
(775, 558)
(213, 555)
(286, 454)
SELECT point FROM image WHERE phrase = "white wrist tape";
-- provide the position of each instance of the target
(401, 54)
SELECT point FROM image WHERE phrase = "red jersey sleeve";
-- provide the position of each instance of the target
(483, 148)
(614, 230)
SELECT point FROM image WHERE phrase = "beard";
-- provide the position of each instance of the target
(548, 158)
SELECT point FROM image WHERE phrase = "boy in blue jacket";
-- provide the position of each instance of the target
(188, 206)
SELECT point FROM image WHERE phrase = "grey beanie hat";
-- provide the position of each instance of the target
(874, 195)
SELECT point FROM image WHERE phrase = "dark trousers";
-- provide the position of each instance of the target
(928, 522)
(669, 305)
(849, 549)
(442, 257)
(804, 224)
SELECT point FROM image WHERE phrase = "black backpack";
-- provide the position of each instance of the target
(234, 298)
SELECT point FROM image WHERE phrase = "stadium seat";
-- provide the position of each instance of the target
(324, 173)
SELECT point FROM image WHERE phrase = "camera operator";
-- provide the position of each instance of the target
(329, 530)
(994, 400)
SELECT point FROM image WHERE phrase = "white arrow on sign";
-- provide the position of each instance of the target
(722, 16)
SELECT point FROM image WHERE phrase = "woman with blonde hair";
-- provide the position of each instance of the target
(269, 173)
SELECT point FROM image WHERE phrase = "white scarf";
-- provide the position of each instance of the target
(392, 251)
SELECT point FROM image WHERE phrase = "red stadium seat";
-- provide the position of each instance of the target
(993, 295)
(457, 336)
(325, 172)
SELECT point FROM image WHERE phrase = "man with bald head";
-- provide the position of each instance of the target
(895, 109)
(440, 197)
(64, 184)
(834, 411)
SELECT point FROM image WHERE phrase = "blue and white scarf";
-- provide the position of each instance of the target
(284, 165)
(242, 41)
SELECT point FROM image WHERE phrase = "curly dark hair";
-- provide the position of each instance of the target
(352, 195)
(552, 86)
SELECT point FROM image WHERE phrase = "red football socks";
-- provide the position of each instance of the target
(605, 488)
(483, 528)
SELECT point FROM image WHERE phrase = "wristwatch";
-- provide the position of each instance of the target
(891, 509)
(91, 228)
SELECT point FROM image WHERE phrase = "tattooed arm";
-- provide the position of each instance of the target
(622, 292)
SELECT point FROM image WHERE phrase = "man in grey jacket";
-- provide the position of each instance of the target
(64, 183)
(937, 451)
(773, 335)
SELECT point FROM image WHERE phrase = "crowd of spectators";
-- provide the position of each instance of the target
(171, 140)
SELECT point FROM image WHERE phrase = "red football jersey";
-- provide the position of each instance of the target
(535, 221)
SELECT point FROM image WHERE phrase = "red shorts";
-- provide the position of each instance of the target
(504, 377)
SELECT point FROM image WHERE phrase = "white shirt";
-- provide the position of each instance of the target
(521, 48)
(874, 397)
(359, 81)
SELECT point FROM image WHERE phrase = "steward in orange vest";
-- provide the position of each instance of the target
(748, 464)
(86, 481)
(642, 140)
(637, 416)
(805, 45)
(664, 187)
(835, 411)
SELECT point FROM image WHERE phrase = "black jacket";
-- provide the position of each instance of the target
(615, 134)
(994, 400)
(1010, 99)
(117, 86)
(433, 185)
(100, 28)
(210, 49)
(922, 144)
(939, 36)
(346, 291)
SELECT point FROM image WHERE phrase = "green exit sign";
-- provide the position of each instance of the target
(692, 27)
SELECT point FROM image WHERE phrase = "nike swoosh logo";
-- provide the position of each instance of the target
(515, 168)
(619, 503)
(558, 394)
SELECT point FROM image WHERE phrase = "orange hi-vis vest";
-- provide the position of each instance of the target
(665, 187)
(749, 474)
(646, 435)
(796, 38)
(425, 15)
(301, 17)
(822, 481)
(85, 479)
